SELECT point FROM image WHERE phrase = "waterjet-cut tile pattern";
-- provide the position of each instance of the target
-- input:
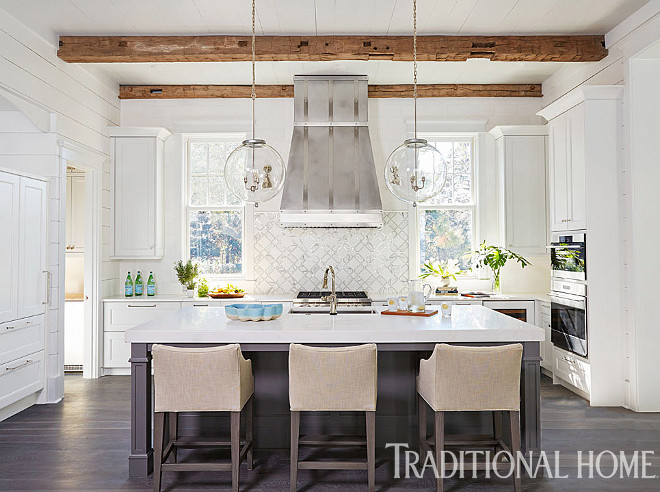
(289, 260)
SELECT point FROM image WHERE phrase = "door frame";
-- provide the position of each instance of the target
(91, 162)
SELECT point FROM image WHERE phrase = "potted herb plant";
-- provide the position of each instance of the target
(442, 270)
(495, 258)
(187, 273)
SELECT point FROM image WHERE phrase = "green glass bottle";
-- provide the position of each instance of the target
(151, 285)
(128, 286)
(139, 285)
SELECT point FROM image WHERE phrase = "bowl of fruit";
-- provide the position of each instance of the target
(228, 292)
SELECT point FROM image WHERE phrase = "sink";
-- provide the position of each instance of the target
(327, 313)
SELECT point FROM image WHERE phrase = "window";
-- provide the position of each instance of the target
(215, 218)
(447, 222)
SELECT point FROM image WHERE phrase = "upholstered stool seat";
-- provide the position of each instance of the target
(459, 379)
(333, 379)
(213, 379)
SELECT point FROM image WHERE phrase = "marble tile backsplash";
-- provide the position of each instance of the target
(289, 260)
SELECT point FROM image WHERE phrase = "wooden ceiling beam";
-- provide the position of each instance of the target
(379, 91)
(155, 49)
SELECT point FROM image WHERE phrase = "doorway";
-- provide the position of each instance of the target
(81, 177)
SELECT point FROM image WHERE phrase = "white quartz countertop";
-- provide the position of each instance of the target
(210, 325)
(286, 297)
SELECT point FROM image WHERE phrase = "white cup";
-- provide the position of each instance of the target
(445, 307)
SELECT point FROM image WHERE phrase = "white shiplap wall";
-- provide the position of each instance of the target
(80, 108)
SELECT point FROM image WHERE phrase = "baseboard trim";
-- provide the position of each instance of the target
(18, 406)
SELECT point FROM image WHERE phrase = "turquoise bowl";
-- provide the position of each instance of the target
(253, 312)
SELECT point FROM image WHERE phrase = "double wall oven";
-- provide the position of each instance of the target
(568, 258)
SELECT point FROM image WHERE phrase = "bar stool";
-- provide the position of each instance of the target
(213, 379)
(459, 379)
(335, 380)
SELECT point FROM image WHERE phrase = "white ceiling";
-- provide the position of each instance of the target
(50, 18)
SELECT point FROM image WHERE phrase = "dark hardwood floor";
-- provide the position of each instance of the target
(82, 445)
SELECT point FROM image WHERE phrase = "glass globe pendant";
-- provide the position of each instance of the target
(254, 171)
(415, 171)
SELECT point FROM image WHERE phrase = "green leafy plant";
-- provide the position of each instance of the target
(495, 258)
(443, 269)
(203, 289)
(186, 273)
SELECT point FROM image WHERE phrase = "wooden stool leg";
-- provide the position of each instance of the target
(295, 434)
(159, 431)
(371, 450)
(439, 447)
(249, 431)
(235, 449)
(173, 418)
(514, 419)
(421, 424)
(497, 427)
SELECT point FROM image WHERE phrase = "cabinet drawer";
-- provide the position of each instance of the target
(116, 351)
(21, 377)
(20, 338)
(121, 316)
(571, 369)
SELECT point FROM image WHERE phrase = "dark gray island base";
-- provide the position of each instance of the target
(396, 420)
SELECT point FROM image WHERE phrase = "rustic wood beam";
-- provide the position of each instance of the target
(154, 49)
(267, 91)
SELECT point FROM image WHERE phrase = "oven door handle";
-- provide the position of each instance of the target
(558, 246)
(577, 302)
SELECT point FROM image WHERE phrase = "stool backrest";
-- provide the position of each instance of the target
(477, 378)
(201, 379)
(325, 379)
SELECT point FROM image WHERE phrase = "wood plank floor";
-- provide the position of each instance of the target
(82, 445)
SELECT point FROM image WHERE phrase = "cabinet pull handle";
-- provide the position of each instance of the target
(47, 287)
(200, 305)
(18, 366)
(567, 359)
(11, 327)
(142, 305)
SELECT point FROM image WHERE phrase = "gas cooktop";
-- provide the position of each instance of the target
(342, 294)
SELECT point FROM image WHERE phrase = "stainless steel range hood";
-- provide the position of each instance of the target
(331, 175)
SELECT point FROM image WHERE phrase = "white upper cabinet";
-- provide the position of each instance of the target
(9, 216)
(75, 213)
(33, 281)
(522, 165)
(567, 167)
(137, 178)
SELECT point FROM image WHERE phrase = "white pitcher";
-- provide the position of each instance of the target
(418, 295)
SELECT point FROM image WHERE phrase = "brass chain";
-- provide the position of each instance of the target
(254, 57)
(415, 61)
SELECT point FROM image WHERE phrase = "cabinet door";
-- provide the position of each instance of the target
(77, 213)
(33, 244)
(134, 197)
(9, 217)
(558, 173)
(116, 351)
(577, 213)
(524, 176)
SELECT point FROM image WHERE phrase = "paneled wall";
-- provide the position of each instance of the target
(65, 103)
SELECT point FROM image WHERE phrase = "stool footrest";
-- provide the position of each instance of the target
(467, 441)
(200, 443)
(332, 441)
(332, 465)
(196, 466)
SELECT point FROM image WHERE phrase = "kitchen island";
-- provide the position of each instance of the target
(401, 341)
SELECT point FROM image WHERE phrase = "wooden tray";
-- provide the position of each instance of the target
(425, 314)
(226, 296)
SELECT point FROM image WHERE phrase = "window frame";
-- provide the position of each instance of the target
(432, 137)
(244, 209)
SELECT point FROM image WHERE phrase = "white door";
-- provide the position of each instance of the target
(558, 173)
(33, 247)
(577, 216)
(77, 216)
(135, 197)
(9, 193)
(68, 214)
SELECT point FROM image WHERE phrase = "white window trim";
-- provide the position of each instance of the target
(246, 209)
(415, 233)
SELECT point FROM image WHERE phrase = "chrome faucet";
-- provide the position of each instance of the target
(332, 298)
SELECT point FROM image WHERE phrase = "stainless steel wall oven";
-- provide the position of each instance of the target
(568, 255)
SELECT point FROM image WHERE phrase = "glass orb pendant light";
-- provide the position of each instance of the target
(254, 171)
(415, 171)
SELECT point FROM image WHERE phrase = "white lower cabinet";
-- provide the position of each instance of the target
(576, 371)
(20, 337)
(543, 320)
(117, 318)
(21, 377)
